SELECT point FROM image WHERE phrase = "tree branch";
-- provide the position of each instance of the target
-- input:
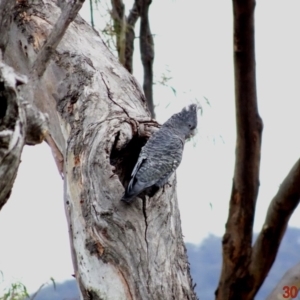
(92, 128)
(118, 17)
(280, 210)
(12, 132)
(125, 35)
(147, 53)
(92, 13)
(234, 282)
(20, 124)
(130, 36)
(124, 30)
(68, 14)
(133, 14)
(57, 155)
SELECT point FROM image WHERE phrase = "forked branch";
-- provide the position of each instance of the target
(245, 267)
(234, 282)
(280, 210)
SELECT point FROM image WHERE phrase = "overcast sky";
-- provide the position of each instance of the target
(193, 44)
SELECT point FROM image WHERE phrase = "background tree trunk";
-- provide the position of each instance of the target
(245, 267)
(124, 28)
(99, 122)
(237, 241)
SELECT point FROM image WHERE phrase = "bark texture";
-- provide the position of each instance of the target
(130, 35)
(147, 52)
(237, 241)
(20, 124)
(245, 267)
(279, 212)
(99, 122)
(125, 35)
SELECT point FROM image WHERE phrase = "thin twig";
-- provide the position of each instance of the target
(35, 294)
(92, 13)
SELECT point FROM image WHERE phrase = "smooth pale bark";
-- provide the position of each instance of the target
(99, 121)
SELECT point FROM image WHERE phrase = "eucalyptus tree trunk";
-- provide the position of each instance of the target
(98, 122)
(246, 265)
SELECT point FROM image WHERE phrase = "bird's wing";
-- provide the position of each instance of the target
(134, 187)
(137, 166)
(162, 156)
(157, 161)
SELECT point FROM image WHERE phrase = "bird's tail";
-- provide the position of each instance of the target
(129, 194)
(127, 198)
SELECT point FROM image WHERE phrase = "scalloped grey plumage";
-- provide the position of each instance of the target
(162, 154)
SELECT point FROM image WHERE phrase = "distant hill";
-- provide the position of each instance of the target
(205, 261)
(67, 290)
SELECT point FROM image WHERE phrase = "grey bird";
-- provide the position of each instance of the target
(162, 154)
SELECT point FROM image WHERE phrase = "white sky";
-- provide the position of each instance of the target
(193, 39)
